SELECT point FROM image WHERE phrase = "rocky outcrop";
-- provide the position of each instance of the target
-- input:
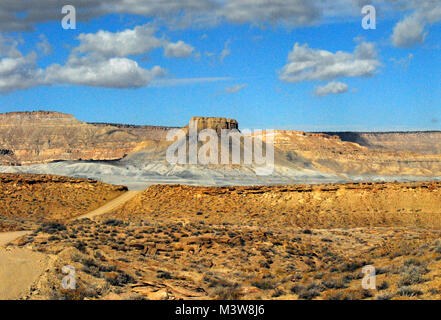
(215, 123)
(42, 136)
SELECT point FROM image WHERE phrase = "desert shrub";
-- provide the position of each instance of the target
(264, 284)
(347, 294)
(351, 266)
(113, 223)
(219, 282)
(91, 292)
(409, 292)
(412, 274)
(414, 262)
(385, 296)
(277, 293)
(309, 291)
(160, 274)
(62, 294)
(226, 293)
(119, 278)
(51, 227)
(383, 270)
(319, 275)
(80, 246)
(434, 291)
(383, 286)
(135, 297)
(335, 283)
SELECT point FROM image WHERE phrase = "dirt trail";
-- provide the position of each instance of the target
(6, 237)
(19, 268)
(110, 205)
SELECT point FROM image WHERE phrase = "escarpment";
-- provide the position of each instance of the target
(44, 136)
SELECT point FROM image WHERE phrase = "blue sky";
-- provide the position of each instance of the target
(243, 66)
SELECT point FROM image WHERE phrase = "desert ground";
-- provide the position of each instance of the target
(131, 225)
(186, 242)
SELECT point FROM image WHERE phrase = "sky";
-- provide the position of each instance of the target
(270, 64)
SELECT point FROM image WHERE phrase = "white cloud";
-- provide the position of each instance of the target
(404, 63)
(17, 71)
(44, 46)
(306, 64)
(236, 88)
(139, 40)
(409, 32)
(293, 12)
(331, 88)
(226, 51)
(100, 60)
(179, 49)
(135, 41)
(17, 15)
(121, 73)
(412, 30)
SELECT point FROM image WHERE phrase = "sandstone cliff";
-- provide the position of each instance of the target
(425, 142)
(41, 137)
(215, 123)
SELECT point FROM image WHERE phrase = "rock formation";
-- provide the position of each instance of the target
(41, 137)
(214, 123)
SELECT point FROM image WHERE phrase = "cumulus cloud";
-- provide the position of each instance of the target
(236, 88)
(120, 73)
(178, 49)
(17, 71)
(412, 30)
(140, 40)
(306, 64)
(409, 32)
(295, 12)
(331, 88)
(15, 15)
(100, 60)
(135, 41)
(19, 15)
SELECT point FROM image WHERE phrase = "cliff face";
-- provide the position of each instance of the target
(214, 123)
(41, 137)
(418, 142)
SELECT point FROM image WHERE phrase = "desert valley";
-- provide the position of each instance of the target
(103, 200)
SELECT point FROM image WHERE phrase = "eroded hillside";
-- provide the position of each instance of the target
(29, 200)
(41, 137)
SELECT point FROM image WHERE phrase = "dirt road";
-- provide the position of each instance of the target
(19, 268)
(6, 237)
(110, 205)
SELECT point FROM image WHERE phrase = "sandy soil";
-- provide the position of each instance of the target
(7, 237)
(19, 268)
